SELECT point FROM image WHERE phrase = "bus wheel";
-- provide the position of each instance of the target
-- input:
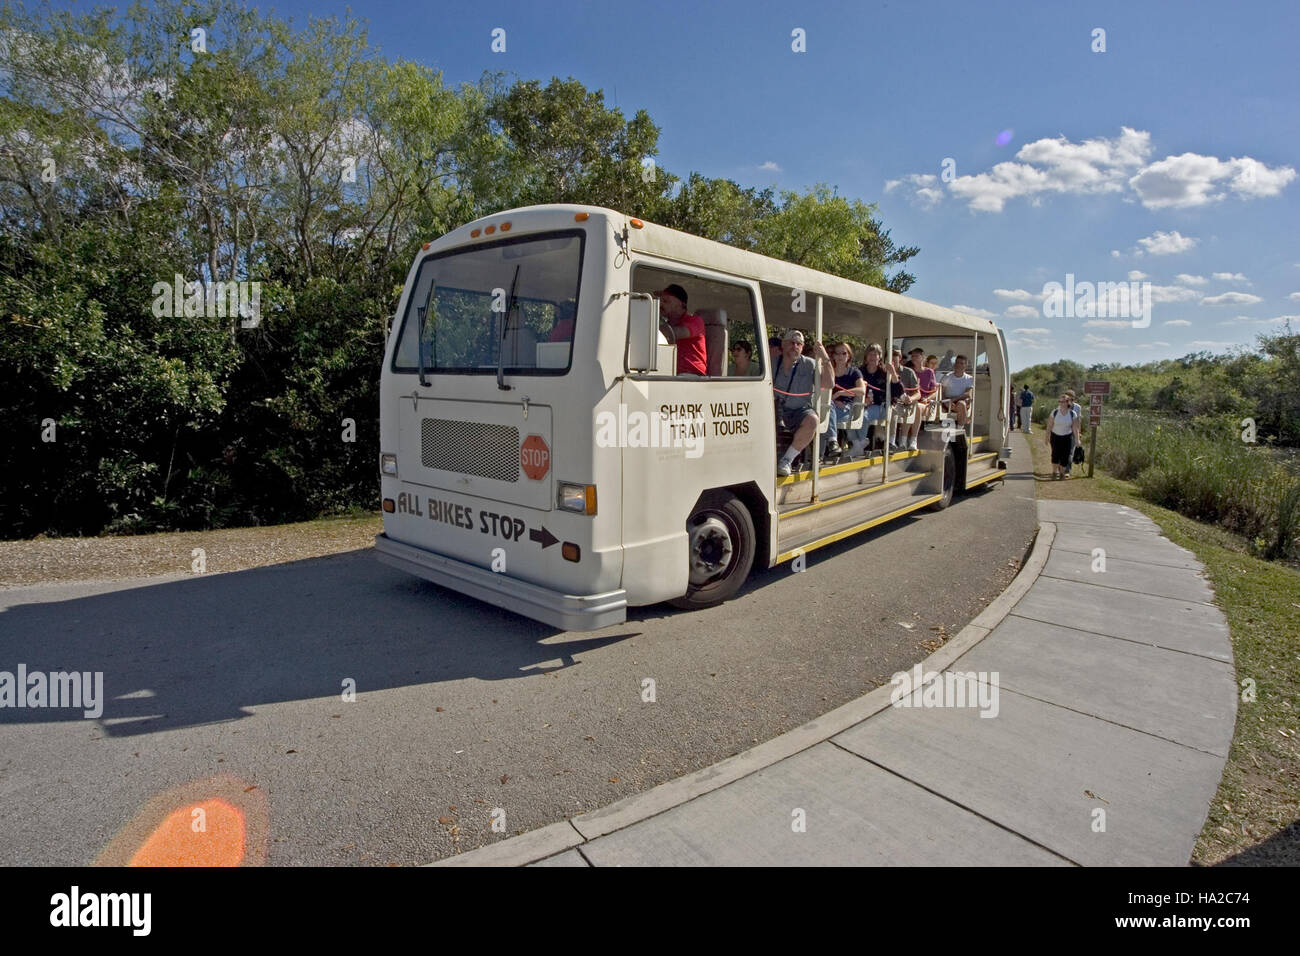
(949, 479)
(721, 550)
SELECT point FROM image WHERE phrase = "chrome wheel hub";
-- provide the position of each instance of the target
(711, 550)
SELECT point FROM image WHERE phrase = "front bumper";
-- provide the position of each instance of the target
(569, 612)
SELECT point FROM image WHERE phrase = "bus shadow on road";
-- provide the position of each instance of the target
(204, 650)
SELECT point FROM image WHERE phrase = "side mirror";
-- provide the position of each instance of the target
(642, 333)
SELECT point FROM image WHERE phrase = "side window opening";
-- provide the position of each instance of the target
(726, 323)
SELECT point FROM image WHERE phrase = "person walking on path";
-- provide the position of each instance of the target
(1078, 435)
(1026, 409)
(1062, 433)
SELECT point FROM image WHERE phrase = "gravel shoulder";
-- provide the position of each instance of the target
(74, 560)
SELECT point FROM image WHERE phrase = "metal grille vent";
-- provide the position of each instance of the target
(470, 448)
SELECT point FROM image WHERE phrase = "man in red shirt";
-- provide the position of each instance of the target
(687, 329)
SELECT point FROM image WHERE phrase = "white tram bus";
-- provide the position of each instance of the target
(540, 452)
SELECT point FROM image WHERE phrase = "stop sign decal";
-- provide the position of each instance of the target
(535, 457)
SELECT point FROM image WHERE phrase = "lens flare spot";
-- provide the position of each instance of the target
(1004, 137)
(177, 842)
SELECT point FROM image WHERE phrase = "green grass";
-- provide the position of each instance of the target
(1253, 816)
(1205, 471)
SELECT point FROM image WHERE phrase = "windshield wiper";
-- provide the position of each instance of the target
(505, 328)
(419, 342)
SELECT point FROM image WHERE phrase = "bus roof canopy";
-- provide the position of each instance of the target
(851, 307)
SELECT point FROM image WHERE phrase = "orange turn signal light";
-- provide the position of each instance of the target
(389, 506)
(505, 227)
(570, 551)
(490, 229)
(637, 223)
(474, 233)
(581, 216)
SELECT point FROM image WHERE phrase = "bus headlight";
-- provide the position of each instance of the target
(577, 498)
(388, 464)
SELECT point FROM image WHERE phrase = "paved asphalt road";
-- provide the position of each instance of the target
(458, 704)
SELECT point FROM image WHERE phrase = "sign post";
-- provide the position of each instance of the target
(1094, 391)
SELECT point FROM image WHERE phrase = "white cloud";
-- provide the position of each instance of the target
(770, 167)
(1246, 319)
(1167, 243)
(1173, 293)
(1294, 297)
(1114, 253)
(1231, 277)
(1185, 279)
(1135, 276)
(1020, 295)
(1206, 343)
(1179, 182)
(1057, 165)
(1021, 312)
(1108, 324)
(1099, 342)
(1032, 331)
(1115, 165)
(1030, 345)
(919, 187)
(1232, 298)
(971, 310)
(1176, 322)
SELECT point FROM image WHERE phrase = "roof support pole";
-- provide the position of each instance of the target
(817, 405)
(889, 405)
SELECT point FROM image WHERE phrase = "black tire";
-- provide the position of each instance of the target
(949, 479)
(720, 550)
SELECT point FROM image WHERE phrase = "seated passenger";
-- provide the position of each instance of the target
(905, 392)
(926, 387)
(876, 377)
(741, 354)
(562, 331)
(686, 329)
(849, 389)
(932, 365)
(793, 381)
(958, 389)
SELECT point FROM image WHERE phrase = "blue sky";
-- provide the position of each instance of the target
(1172, 155)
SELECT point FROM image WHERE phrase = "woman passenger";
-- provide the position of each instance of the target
(1062, 431)
(876, 376)
(849, 388)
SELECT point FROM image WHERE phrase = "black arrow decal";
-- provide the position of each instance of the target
(545, 537)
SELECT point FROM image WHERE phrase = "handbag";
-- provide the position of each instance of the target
(1078, 454)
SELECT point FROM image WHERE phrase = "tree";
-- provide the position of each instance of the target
(829, 233)
(566, 146)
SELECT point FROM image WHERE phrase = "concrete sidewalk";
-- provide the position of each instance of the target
(1116, 700)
